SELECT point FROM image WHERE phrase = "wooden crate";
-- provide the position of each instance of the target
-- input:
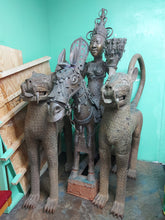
(9, 58)
(13, 151)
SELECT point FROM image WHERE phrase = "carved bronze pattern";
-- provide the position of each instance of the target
(121, 127)
(39, 132)
(53, 97)
(114, 49)
(70, 83)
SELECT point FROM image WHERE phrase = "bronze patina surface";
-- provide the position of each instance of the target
(120, 127)
(96, 69)
(64, 92)
(39, 132)
(69, 84)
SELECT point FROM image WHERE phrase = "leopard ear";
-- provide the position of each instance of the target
(134, 74)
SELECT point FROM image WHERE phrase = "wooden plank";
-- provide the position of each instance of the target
(11, 97)
(12, 113)
(10, 87)
(25, 181)
(13, 128)
(20, 158)
(16, 179)
(9, 58)
(7, 155)
(12, 149)
(24, 66)
(19, 176)
(20, 163)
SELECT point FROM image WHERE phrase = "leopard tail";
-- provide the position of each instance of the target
(139, 58)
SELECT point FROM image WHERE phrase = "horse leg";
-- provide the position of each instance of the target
(91, 148)
(68, 141)
(75, 168)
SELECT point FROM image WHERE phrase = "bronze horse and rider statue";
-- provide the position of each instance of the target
(64, 97)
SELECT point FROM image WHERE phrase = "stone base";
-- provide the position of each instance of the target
(83, 188)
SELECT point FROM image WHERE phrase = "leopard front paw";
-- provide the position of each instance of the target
(32, 201)
(118, 209)
(50, 205)
(100, 200)
(131, 173)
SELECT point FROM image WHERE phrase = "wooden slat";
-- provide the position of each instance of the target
(12, 113)
(11, 97)
(7, 155)
(12, 149)
(13, 128)
(19, 176)
(25, 182)
(24, 66)
(19, 161)
(10, 86)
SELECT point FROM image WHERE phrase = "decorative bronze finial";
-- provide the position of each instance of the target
(100, 26)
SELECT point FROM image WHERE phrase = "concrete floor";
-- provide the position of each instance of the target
(144, 199)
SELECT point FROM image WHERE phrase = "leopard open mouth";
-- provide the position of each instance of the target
(120, 98)
(36, 97)
(109, 99)
(42, 93)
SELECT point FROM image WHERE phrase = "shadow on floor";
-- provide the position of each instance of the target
(144, 199)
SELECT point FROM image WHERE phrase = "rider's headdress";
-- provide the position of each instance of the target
(100, 26)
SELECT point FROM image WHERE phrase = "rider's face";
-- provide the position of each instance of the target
(96, 45)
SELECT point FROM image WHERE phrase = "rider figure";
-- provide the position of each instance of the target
(96, 69)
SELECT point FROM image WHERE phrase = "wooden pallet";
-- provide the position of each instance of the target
(13, 151)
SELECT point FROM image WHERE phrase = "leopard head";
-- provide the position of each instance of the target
(117, 90)
(36, 88)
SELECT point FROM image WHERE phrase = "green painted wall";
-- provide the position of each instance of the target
(40, 28)
(24, 26)
(143, 24)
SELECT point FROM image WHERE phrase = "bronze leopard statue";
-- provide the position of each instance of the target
(120, 127)
(39, 132)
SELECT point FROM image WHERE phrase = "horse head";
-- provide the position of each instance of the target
(67, 80)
